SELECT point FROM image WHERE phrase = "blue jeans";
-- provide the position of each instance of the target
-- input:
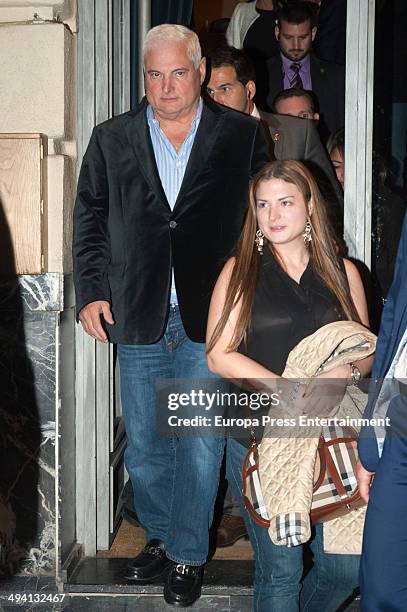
(175, 479)
(279, 569)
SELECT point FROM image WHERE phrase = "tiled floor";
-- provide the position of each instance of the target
(130, 540)
(227, 584)
(97, 584)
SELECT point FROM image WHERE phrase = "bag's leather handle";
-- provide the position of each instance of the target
(247, 471)
(322, 465)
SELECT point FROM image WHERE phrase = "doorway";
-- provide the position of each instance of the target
(103, 543)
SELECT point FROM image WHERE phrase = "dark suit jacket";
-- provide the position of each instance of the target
(126, 237)
(295, 138)
(392, 328)
(330, 41)
(328, 85)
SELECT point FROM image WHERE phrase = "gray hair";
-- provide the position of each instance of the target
(168, 32)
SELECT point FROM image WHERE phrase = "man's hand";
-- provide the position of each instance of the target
(90, 316)
(364, 479)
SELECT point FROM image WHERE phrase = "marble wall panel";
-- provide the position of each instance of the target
(29, 322)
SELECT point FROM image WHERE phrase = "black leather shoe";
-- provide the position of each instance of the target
(150, 565)
(183, 585)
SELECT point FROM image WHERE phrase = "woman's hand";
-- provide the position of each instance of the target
(325, 392)
(343, 371)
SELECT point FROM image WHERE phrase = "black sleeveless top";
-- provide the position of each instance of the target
(283, 313)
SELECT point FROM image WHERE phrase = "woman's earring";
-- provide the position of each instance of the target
(307, 233)
(259, 240)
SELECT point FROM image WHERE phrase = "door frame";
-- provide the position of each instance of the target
(104, 70)
(360, 31)
(103, 73)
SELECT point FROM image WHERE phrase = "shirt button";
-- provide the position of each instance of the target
(178, 163)
(173, 224)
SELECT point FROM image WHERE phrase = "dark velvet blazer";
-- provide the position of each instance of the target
(126, 237)
(328, 85)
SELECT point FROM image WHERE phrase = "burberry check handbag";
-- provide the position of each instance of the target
(335, 491)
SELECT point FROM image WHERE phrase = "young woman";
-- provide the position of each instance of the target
(285, 282)
(336, 150)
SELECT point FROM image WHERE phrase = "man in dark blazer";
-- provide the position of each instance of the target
(383, 456)
(296, 66)
(161, 200)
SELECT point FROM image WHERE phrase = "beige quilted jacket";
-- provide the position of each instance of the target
(286, 462)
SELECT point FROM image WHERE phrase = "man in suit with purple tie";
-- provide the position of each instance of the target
(296, 66)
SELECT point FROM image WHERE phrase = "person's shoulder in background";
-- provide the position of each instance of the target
(243, 16)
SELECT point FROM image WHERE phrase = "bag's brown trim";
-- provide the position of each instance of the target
(322, 466)
(323, 513)
(247, 471)
(347, 503)
(337, 509)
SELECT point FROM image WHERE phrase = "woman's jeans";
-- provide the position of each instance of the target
(279, 569)
(175, 478)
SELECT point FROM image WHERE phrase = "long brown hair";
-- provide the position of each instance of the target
(325, 261)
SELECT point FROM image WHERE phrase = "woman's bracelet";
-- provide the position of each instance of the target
(355, 374)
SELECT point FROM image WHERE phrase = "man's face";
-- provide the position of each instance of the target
(297, 106)
(172, 82)
(225, 89)
(295, 40)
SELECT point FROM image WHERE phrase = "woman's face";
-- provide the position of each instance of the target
(339, 165)
(281, 211)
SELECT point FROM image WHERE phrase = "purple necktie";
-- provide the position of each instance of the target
(296, 80)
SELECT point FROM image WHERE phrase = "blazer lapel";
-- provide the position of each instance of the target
(279, 74)
(138, 134)
(274, 135)
(317, 72)
(205, 137)
(275, 77)
(277, 136)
